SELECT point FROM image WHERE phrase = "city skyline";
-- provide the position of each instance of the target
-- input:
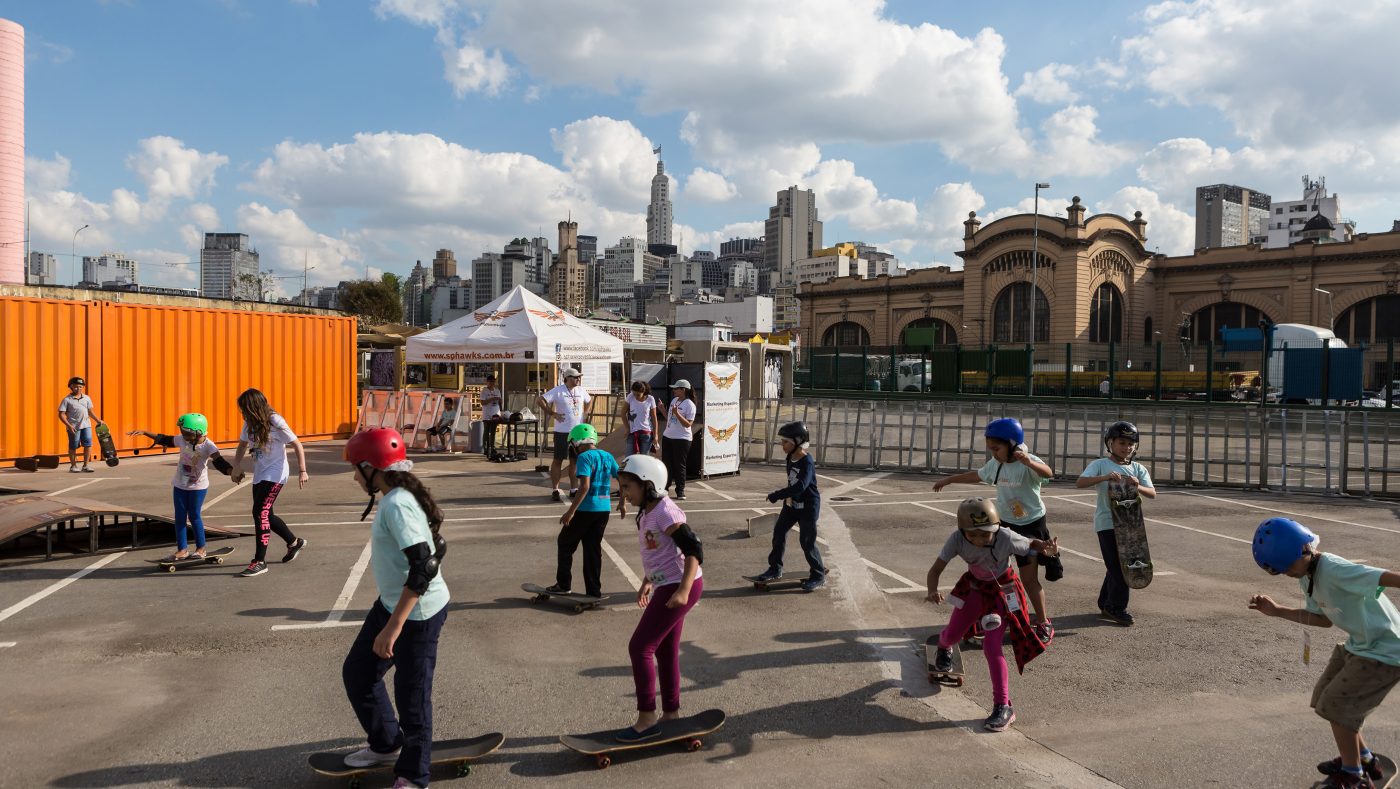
(363, 137)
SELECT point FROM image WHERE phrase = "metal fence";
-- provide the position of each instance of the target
(1228, 445)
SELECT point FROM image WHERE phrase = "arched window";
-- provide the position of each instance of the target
(1011, 314)
(1207, 323)
(1106, 315)
(1371, 321)
(926, 332)
(846, 334)
(1147, 330)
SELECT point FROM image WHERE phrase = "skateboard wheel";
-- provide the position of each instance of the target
(355, 782)
(463, 769)
(536, 600)
(960, 682)
(218, 560)
(170, 569)
(693, 744)
(603, 761)
(932, 678)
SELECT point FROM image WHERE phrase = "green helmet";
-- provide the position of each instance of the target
(583, 434)
(195, 423)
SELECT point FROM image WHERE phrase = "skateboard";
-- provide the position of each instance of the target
(580, 602)
(212, 557)
(601, 744)
(104, 440)
(1128, 529)
(459, 753)
(762, 525)
(786, 579)
(37, 462)
(1388, 771)
(953, 676)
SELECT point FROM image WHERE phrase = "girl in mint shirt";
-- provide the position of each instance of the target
(1121, 439)
(403, 625)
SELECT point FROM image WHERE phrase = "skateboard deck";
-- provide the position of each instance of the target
(1388, 771)
(762, 525)
(37, 462)
(455, 752)
(212, 557)
(1131, 535)
(601, 744)
(104, 440)
(953, 676)
(580, 602)
(786, 579)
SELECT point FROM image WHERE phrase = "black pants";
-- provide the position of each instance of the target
(266, 521)
(674, 453)
(1113, 595)
(488, 436)
(586, 528)
(806, 520)
(414, 660)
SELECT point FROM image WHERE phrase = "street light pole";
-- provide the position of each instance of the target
(1331, 315)
(73, 253)
(1035, 265)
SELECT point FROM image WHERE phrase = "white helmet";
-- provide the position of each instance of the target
(647, 469)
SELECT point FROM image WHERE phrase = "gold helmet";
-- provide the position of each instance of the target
(978, 514)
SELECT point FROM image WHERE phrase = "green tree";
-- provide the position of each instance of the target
(376, 302)
(392, 280)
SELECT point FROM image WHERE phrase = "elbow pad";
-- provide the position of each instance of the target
(422, 568)
(162, 440)
(222, 466)
(689, 544)
(439, 547)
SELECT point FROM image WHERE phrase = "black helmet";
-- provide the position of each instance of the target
(77, 380)
(796, 431)
(1120, 429)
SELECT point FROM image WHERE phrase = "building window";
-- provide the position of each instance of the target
(1375, 320)
(1011, 314)
(1147, 330)
(1207, 323)
(1106, 315)
(927, 332)
(1278, 210)
(846, 334)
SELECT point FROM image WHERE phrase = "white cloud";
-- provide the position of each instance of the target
(434, 13)
(610, 159)
(1072, 145)
(1170, 230)
(841, 194)
(45, 175)
(170, 169)
(204, 216)
(1048, 85)
(470, 69)
(285, 240)
(707, 186)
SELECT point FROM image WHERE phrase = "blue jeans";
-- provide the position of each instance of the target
(188, 504)
(806, 520)
(641, 443)
(81, 437)
(415, 658)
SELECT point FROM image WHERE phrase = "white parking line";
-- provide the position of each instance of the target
(221, 497)
(706, 486)
(79, 485)
(859, 484)
(45, 592)
(333, 619)
(7, 644)
(1286, 512)
(1164, 523)
(622, 566)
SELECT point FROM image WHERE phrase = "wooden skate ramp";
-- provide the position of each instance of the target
(61, 518)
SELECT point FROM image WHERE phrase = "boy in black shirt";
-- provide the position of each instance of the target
(802, 506)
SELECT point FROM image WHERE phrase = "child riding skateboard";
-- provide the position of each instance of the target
(1121, 441)
(990, 592)
(802, 504)
(587, 516)
(1361, 671)
(405, 622)
(191, 481)
(1018, 476)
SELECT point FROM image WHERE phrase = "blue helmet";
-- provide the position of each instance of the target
(1279, 542)
(1007, 430)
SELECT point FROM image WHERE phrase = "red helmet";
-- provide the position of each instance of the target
(381, 448)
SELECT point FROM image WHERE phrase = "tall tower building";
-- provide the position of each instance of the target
(444, 265)
(415, 312)
(12, 249)
(1229, 215)
(568, 279)
(791, 233)
(224, 258)
(659, 211)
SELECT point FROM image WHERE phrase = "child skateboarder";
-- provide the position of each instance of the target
(268, 435)
(77, 415)
(587, 516)
(671, 558)
(1018, 476)
(1361, 671)
(1121, 440)
(403, 625)
(191, 482)
(990, 592)
(802, 504)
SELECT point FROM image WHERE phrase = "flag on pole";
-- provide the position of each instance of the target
(656, 150)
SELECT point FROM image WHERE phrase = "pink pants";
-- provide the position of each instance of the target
(962, 621)
(657, 644)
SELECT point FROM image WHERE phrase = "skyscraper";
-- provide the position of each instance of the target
(568, 279)
(42, 269)
(224, 258)
(109, 268)
(444, 265)
(659, 211)
(1229, 216)
(791, 233)
(415, 310)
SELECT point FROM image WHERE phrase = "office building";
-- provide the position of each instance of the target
(568, 279)
(659, 209)
(1287, 219)
(42, 269)
(792, 232)
(415, 289)
(1229, 216)
(110, 269)
(224, 259)
(444, 265)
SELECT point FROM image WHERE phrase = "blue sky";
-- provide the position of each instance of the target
(365, 135)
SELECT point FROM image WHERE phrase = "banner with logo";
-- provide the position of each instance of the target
(721, 439)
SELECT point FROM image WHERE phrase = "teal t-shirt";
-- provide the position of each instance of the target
(600, 467)
(1103, 517)
(1018, 490)
(400, 523)
(1351, 595)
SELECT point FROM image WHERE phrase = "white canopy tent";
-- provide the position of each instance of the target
(517, 327)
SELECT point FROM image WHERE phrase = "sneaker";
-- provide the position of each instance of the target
(73, 470)
(368, 757)
(253, 568)
(293, 550)
(1054, 568)
(89, 470)
(404, 783)
(1121, 617)
(1001, 719)
(943, 659)
(680, 497)
(1346, 780)
(813, 584)
(554, 494)
(630, 734)
(769, 575)
(1372, 769)
(557, 589)
(1045, 632)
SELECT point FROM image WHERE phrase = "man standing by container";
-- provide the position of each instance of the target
(77, 415)
(568, 405)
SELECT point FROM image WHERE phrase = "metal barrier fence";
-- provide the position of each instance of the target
(1226, 445)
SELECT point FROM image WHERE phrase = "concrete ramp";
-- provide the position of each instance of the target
(57, 520)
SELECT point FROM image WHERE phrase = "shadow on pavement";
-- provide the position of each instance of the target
(256, 767)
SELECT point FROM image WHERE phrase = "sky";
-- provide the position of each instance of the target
(356, 137)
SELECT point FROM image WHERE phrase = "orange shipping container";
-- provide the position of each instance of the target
(145, 365)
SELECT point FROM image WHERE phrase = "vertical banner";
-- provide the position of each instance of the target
(721, 440)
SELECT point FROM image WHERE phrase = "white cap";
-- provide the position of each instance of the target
(681, 384)
(571, 372)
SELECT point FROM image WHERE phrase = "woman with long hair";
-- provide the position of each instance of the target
(268, 436)
(642, 414)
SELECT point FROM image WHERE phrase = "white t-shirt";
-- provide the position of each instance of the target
(568, 405)
(270, 462)
(490, 410)
(674, 428)
(641, 414)
(192, 470)
(75, 411)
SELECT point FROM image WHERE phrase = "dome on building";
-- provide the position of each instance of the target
(1319, 222)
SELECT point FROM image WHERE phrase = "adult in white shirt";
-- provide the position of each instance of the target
(491, 399)
(569, 405)
(675, 439)
(640, 411)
